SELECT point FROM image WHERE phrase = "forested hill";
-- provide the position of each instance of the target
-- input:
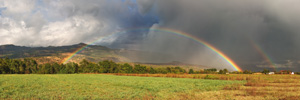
(13, 51)
(58, 53)
(93, 53)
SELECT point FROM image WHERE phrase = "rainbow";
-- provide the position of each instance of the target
(263, 54)
(165, 30)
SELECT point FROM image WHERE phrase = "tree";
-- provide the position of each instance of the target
(247, 72)
(265, 71)
(152, 71)
(126, 68)
(210, 71)
(225, 70)
(47, 68)
(92, 68)
(161, 70)
(83, 66)
(178, 70)
(57, 68)
(169, 70)
(108, 66)
(71, 68)
(140, 69)
(221, 71)
(191, 71)
(31, 66)
(4, 66)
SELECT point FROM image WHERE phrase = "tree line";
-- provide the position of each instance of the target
(30, 66)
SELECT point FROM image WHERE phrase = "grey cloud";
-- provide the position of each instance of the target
(145, 5)
(287, 64)
(229, 25)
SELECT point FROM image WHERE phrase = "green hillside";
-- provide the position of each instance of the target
(95, 86)
(57, 54)
(94, 53)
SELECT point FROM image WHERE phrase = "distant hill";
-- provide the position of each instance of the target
(58, 53)
(94, 53)
(13, 51)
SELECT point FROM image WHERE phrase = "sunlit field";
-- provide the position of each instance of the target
(274, 87)
(150, 86)
(97, 86)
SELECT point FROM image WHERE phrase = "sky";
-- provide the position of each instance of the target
(253, 33)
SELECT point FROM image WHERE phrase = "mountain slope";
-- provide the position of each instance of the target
(94, 53)
(57, 54)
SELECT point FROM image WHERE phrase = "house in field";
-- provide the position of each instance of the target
(271, 73)
(292, 73)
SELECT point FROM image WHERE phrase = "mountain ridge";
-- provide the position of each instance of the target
(94, 53)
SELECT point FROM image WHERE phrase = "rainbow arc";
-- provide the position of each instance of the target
(164, 30)
(265, 56)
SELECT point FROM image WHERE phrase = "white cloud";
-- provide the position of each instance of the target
(56, 22)
(12, 31)
(70, 31)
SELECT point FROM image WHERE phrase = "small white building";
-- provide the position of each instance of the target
(292, 73)
(271, 73)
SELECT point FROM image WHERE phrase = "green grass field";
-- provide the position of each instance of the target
(258, 87)
(96, 86)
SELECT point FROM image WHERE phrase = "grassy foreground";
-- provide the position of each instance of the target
(95, 86)
(258, 87)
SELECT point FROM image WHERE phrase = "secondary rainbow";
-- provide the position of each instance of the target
(263, 54)
(165, 30)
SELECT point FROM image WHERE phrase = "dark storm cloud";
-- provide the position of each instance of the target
(229, 25)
